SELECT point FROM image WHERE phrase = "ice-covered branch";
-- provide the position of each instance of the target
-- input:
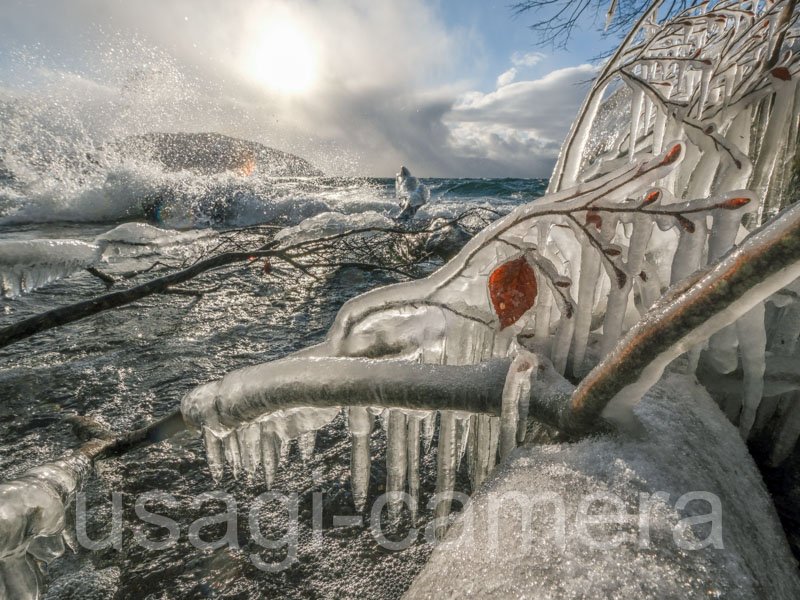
(766, 261)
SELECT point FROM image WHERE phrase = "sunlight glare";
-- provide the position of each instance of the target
(283, 59)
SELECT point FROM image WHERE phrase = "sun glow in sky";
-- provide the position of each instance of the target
(283, 58)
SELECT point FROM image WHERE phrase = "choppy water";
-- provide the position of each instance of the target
(128, 366)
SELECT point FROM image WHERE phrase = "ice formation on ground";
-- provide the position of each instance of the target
(32, 517)
(532, 534)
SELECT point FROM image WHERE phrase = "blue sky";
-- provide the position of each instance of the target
(450, 88)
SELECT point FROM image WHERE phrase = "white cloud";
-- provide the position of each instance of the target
(506, 77)
(527, 59)
(521, 124)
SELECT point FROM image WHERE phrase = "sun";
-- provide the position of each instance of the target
(283, 59)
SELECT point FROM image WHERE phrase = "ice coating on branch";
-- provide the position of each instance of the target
(279, 397)
(29, 264)
(332, 223)
(143, 234)
(32, 517)
(664, 194)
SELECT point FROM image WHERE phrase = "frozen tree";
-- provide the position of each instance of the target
(663, 234)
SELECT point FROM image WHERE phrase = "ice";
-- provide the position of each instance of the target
(396, 460)
(410, 192)
(413, 437)
(29, 264)
(619, 408)
(526, 539)
(142, 234)
(750, 329)
(445, 470)
(360, 422)
(332, 223)
(663, 194)
(275, 394)
(32, 520)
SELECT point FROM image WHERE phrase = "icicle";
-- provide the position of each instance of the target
(482, 462)
(413, 435)
(396, 456)
(445, 468)
(610, 13)
(271, 451)
(566, 330)
(305, 444)
(516, 397)
(462, 436)
(494, 441)
(753, 337)
(214, 454)
(428, 428)
(636, 115)
(249, 438)
(360, 422)
(618, 297)
(230, 445)
(688, 256)
(768, 153)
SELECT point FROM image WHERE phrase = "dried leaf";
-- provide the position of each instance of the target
(513, 289)
(267, 267)
(593, 218)
(733, 203)
(781, 73)
(643, 276)
(612, 251)
(565, 283)
(687, 225)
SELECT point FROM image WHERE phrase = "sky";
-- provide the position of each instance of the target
(451, 88)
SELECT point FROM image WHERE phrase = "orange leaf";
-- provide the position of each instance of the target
(512, 287)
(673, 155)
(733, 203)
(593, 218)
(782, 73)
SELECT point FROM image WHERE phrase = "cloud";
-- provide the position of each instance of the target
(506, 77)
(527, 59)
(523, 122)
(388, 87)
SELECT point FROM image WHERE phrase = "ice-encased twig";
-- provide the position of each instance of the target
(766, 261)
(32, 518)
